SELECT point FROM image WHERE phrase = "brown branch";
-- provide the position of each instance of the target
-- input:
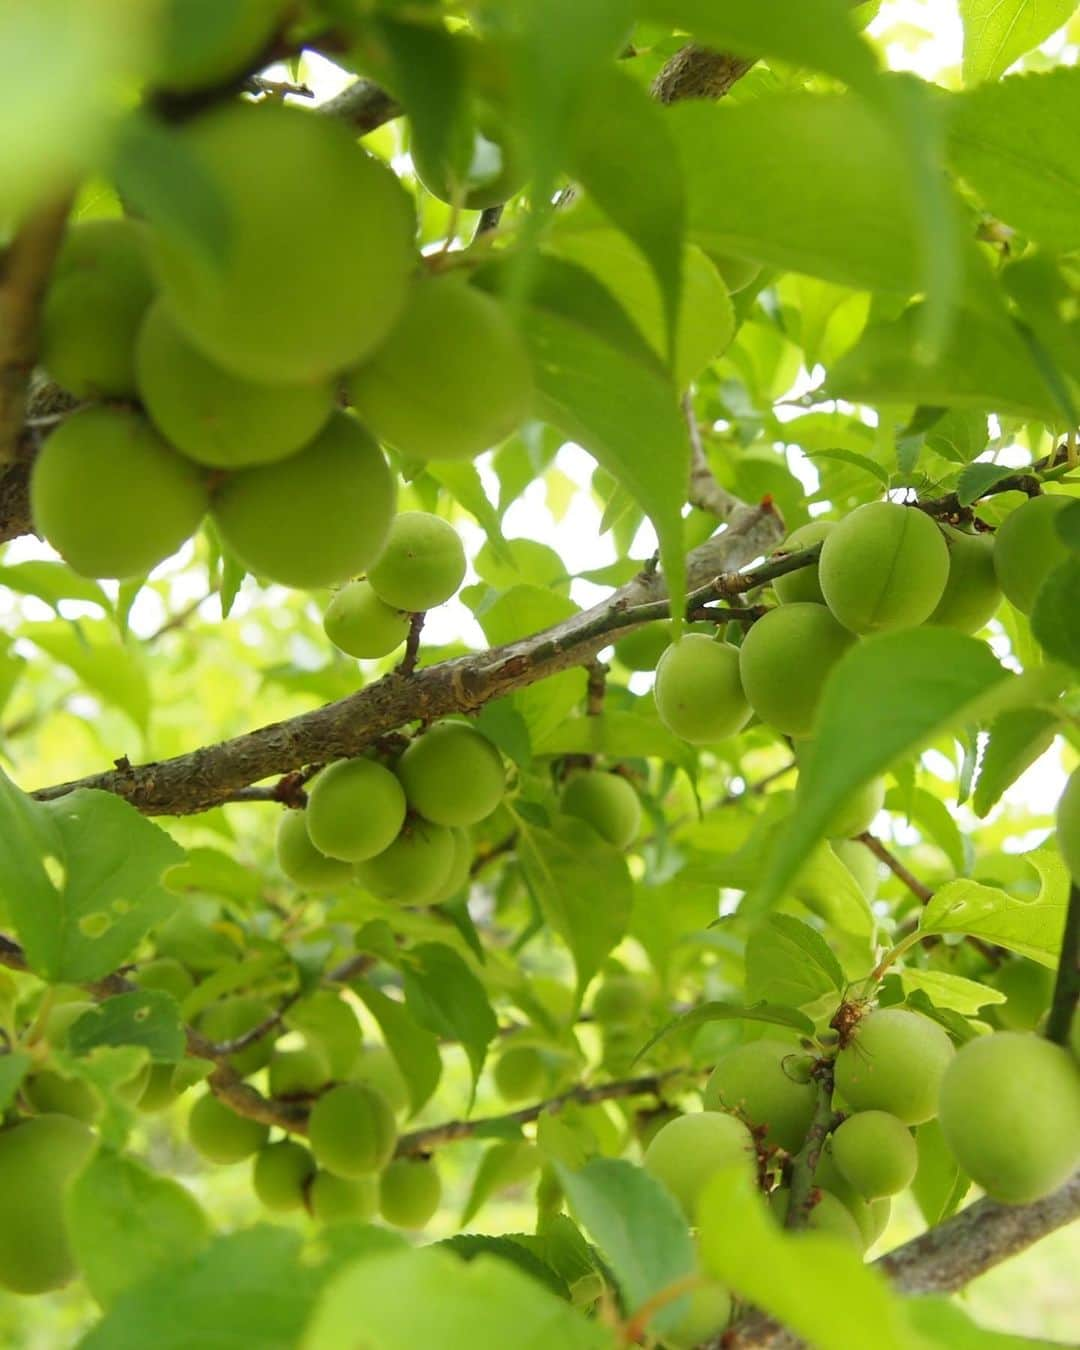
(204, 778)
(1067, 985)
(412, 645)
(704, 491)
(595, 688)
(363, 106)
(698, 72)
(923, 893)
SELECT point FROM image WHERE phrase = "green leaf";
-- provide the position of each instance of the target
(415, 1049)
(941, 1322)
(795, 1277)
(14, 1067)
(127, 1222)
(887, 697)
(427, 73)
(1016, 740)
(505, 727)
(618, 128)
(430, 1297)
(997, 32)
(504, 1164)
(582, 886)
(1055, 620)
(1031, 927)
(788, 962)
(80, 878)
(52, 582)
(934, 819)
(984, 366)
(527, 562)
(939, 1185)
(249, 1288)
(716, 1011)
(637, 1225)
(977, 479)
(519, 612)
(519, 1249)
(619, 735)
(113, 672)
(444, 996)
(852, 457)
(1014, 144)
(946, 990)
(827, 887)
(150, 1018)
(464, 484)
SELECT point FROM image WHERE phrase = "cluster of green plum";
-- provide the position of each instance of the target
(400, 831)
(229, 363)
(883, 567)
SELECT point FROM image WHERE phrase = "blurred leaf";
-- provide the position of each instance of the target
(52, 582)
(978, 478)
(858, 461)
(14, 1067)
(444, 996)
(939, 1185)
(519, 1249)
(113, 672)
(996, 32)
(1055, 620)
(427, 73)
(503, 1164)
(415, 1049)
(939, 1321)
(150, 1018)
(714, 1011)
(1017, 739)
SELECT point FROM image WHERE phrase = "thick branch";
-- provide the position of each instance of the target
(363, 106)
(697, 72)
(209, 776)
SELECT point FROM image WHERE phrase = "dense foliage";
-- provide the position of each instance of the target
(571, 549)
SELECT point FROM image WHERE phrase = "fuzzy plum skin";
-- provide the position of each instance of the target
(784, 661)
(1027, 548)
(688, 1150)
(355, 809)
(876, 1153)
(761, 1082)
(895, 1063)
(698, 692)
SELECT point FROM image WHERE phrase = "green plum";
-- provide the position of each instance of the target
(481, 166)
(876, 1153)
(452, 775)
(521, 1074)
(302, 862)
(607, 802)
(206, 43)
(414, 869)
(376, 1066)
(828, 1214)
(972, 594)
(784, 661)
(167, 974)
(1027, 548)
(689, 1150)
(358, 623)
(355, 809)
(352, 1130)
(220, 1135)
(895, 1063)
(767, 1084)
(698, 693)
(298, 1073)
(334, 1199)
(860, 862)
(805, 584)
(1028, 988)
(707, 1314)
(409, 1192)
(281, 1173)
(421, 565)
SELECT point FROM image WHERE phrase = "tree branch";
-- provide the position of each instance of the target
(704, 492)
(1067, 984)
(698, 72)
(363, 106)
(801, 1200)
(923, 893)
(206, 777)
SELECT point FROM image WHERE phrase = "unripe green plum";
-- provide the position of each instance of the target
(1068, 826)
(214, 416)
(829, 1177)
(803, 586)
(188, 936)
(856, 815)
(281, 1173)
(690, 1150)
(352, 1130)
(146, 499)
(99, 291)
(452, 775)
(326, 225)
(1010, 1113)
(828, 1215)
(895, 1063)
(1027, 547)
(876, 1153)
(883, 567)
(460, 866)
(785, 660)
(204, 43)
(167, 974)
(648, 1124)
(422, 564)
(329, 1025)
(334, 1199)
(607, 802)
(160, 1090)
(295, 1073)
(621, 999)
(233, 1018)
(766, 1083)
(38, 1160)
(355, 810)
(50, 1093)
(1028, 988)
(860, 862)
(414, 869)
(521, 1074)
(708, 1314)
(220, 1135)
(482, 165)
(377, 1067)
(643, 648)
(698, 693)
(358, 623)
(302, 862)
(409, 1192)
(451, 380)
(316, 518)
(972, 594)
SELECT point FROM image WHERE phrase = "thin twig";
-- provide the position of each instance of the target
(595, 688)
(800, 1202)
(923, 893)
(704, 491)
(1067, 984)
(488, 222)
(412, 645)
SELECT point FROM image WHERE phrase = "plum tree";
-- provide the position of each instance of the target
(607, 802)
(99, 292)
(409, 1192)
(376, 1066)
(860, 862)
(785, 660)
(235, 1017)
(38, 1159)
(301, 861)
(876, 1153)
(766, 1083)
(329, 224)
(352, 1130)
(316, 518)
(895, 1063)
(220, 1135)
(422, 564)
(414, 869)
(280, 1175)
(1010, 1113)
(972, 594)
(481, 166)
(1027, 548)
(298, 1072)
(213, 415)
(883, 567)
(689, 1150)
(803, 586)
(355, 809)
(708, 1313)
(451, 380)
(452, 775)
(698, 693)
(1028, 988)
(1068, 825)
(521, 1074)
(204, 43)
(147, 499)
(828, 1214)
(334, 1199)
(358, 623)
